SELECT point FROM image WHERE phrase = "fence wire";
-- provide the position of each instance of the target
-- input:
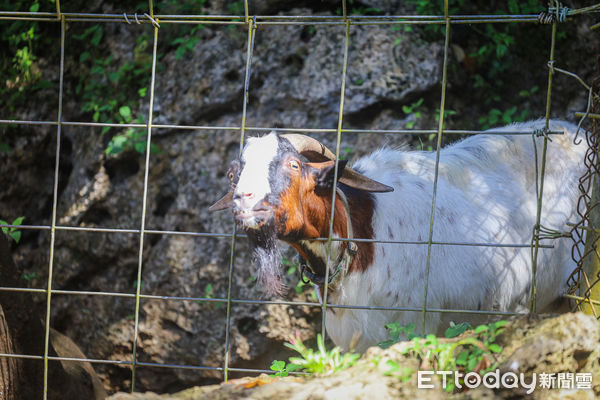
(555, 14)
(583, 282)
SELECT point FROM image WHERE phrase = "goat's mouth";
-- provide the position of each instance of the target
(252, 219)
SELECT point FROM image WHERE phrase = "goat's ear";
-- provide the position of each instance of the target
(224, 203)
(323, 173)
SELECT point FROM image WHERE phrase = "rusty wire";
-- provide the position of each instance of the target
(555, 14)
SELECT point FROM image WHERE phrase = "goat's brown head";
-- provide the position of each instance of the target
(277, 195)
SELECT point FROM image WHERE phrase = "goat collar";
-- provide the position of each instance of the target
(345, 260)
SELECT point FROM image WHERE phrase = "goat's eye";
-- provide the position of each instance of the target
(294, 164)
(230, 175)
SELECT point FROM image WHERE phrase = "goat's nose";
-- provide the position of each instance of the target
(243, 199)
(243, 195)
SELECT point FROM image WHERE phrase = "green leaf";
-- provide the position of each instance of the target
(95, 41)
(455, 330)
(116, 145)
(16, 235)
(495, 348)
(18, 221)
(140, 147)
(125, 112)
(462, 358)
(114, 77)
(97, 70)
(180, 52)
(35, 7)
(472, 363)
(500, 324)
(84, 56)
(142, 92)
(481, 328)
(4, 229)
(277, 365)
(293, 367)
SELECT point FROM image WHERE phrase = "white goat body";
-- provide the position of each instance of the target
(486, 194)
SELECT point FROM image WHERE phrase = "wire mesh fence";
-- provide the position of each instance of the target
(554, 15)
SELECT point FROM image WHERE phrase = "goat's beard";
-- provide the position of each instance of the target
(265, 252)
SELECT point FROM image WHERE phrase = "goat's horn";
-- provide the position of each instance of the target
(222, 204)
(316, 151)
(310, 148)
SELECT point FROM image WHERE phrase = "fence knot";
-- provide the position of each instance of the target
(556, 13)
(542, 132)
(137, 21)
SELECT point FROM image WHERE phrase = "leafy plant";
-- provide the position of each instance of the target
(530, 92)
(20, 45)
(412, 109)
(394, 331)
(210, 294)
(473, 353)
(14, 233)
(186, 42)
(346, 153)
(280, 368)
(30, 276)
(455, 330)
(398, 371)
(489, 53)
(321, 361)
(106, 90)
(498, 117)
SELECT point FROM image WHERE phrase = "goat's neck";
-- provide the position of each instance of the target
(317, 225)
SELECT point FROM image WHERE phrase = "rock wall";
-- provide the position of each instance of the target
(567, 344)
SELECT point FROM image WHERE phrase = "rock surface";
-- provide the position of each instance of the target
(569, 343)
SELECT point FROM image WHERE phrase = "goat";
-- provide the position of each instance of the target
(486, 193)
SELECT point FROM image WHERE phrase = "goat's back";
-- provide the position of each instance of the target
(485, 199)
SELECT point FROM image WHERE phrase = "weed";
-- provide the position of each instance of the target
(20, 44)
(321, 361)
(473, 353)
(106, 89)
(397, 370)
(209, 294)
(414, 110)
(347, 153)
(394, 332)
(280, 368)
(30, 276)
(496, 117)
(455, 330)
(14, 233)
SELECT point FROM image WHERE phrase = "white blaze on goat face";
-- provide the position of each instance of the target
(253, 184)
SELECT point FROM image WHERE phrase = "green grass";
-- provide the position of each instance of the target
(320, 361)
